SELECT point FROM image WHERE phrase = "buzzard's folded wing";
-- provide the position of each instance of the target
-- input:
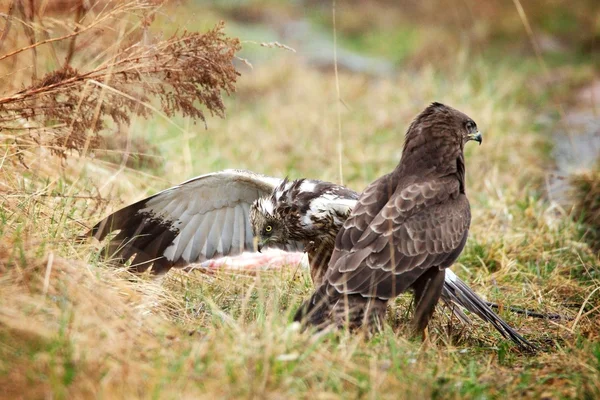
(200, 219)
(382, 251)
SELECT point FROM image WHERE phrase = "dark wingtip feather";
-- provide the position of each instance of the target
(140, 234)
(116, 221)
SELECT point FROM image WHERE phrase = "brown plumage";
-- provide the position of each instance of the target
(406, 229)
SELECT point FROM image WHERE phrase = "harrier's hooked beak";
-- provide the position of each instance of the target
(258, 244)
(476, 137)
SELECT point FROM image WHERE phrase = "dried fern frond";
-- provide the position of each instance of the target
(185, 74)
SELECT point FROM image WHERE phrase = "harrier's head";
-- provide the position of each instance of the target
(268, 226)
(437, 137)
(301, 211)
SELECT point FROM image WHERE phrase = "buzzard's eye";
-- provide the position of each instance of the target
(269, 228)
(471, 126)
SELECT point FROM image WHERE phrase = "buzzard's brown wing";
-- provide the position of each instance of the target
(391, 240)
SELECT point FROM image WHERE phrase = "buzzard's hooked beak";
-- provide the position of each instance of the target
(476, 137)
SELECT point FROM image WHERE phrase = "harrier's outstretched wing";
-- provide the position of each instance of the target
(203, 218)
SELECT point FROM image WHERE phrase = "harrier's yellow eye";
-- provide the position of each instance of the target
(269, 228)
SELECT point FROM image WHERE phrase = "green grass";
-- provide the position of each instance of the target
(92, 330)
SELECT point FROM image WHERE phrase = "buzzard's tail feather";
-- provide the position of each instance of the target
(457, 292)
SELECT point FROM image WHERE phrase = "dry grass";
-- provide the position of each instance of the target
(76, 331)
(72, 327)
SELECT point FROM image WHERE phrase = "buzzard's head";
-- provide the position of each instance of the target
(268, 227)
(440, 123)
(436, 138)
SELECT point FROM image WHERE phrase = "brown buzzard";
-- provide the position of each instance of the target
(406, 229)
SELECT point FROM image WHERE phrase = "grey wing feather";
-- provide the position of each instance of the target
(203, 218)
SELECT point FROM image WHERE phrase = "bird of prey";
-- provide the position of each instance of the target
(406, 229)
(219, 214)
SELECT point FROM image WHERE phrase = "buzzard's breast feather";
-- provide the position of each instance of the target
(203, 218)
